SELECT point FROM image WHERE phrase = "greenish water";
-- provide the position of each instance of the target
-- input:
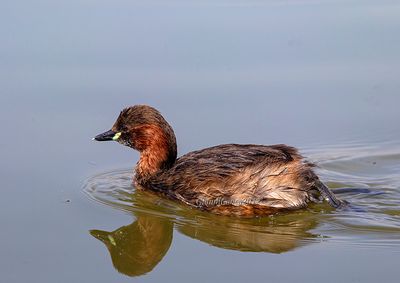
(319, 75)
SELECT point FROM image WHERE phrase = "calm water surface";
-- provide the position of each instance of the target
(319, 75)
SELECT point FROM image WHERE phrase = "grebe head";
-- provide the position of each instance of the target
(143, 128)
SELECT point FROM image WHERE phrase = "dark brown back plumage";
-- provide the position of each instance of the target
(230, 179)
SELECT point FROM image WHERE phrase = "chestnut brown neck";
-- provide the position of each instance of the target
(157, 148)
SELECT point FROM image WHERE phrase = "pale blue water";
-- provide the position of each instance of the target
(319, 75)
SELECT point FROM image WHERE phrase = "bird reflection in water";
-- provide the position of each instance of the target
(265, 235)
(135, 249)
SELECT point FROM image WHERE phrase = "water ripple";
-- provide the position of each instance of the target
(368, 177)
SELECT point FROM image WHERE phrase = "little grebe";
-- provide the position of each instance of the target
(230, 179)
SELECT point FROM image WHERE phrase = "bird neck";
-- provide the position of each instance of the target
(159, 151)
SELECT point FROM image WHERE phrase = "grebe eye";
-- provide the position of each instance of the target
(121, 129)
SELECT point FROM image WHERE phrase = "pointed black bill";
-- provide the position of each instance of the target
(100, 235)
(106, 136)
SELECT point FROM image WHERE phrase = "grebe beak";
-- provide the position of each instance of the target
(103, 236)
(108, 136)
